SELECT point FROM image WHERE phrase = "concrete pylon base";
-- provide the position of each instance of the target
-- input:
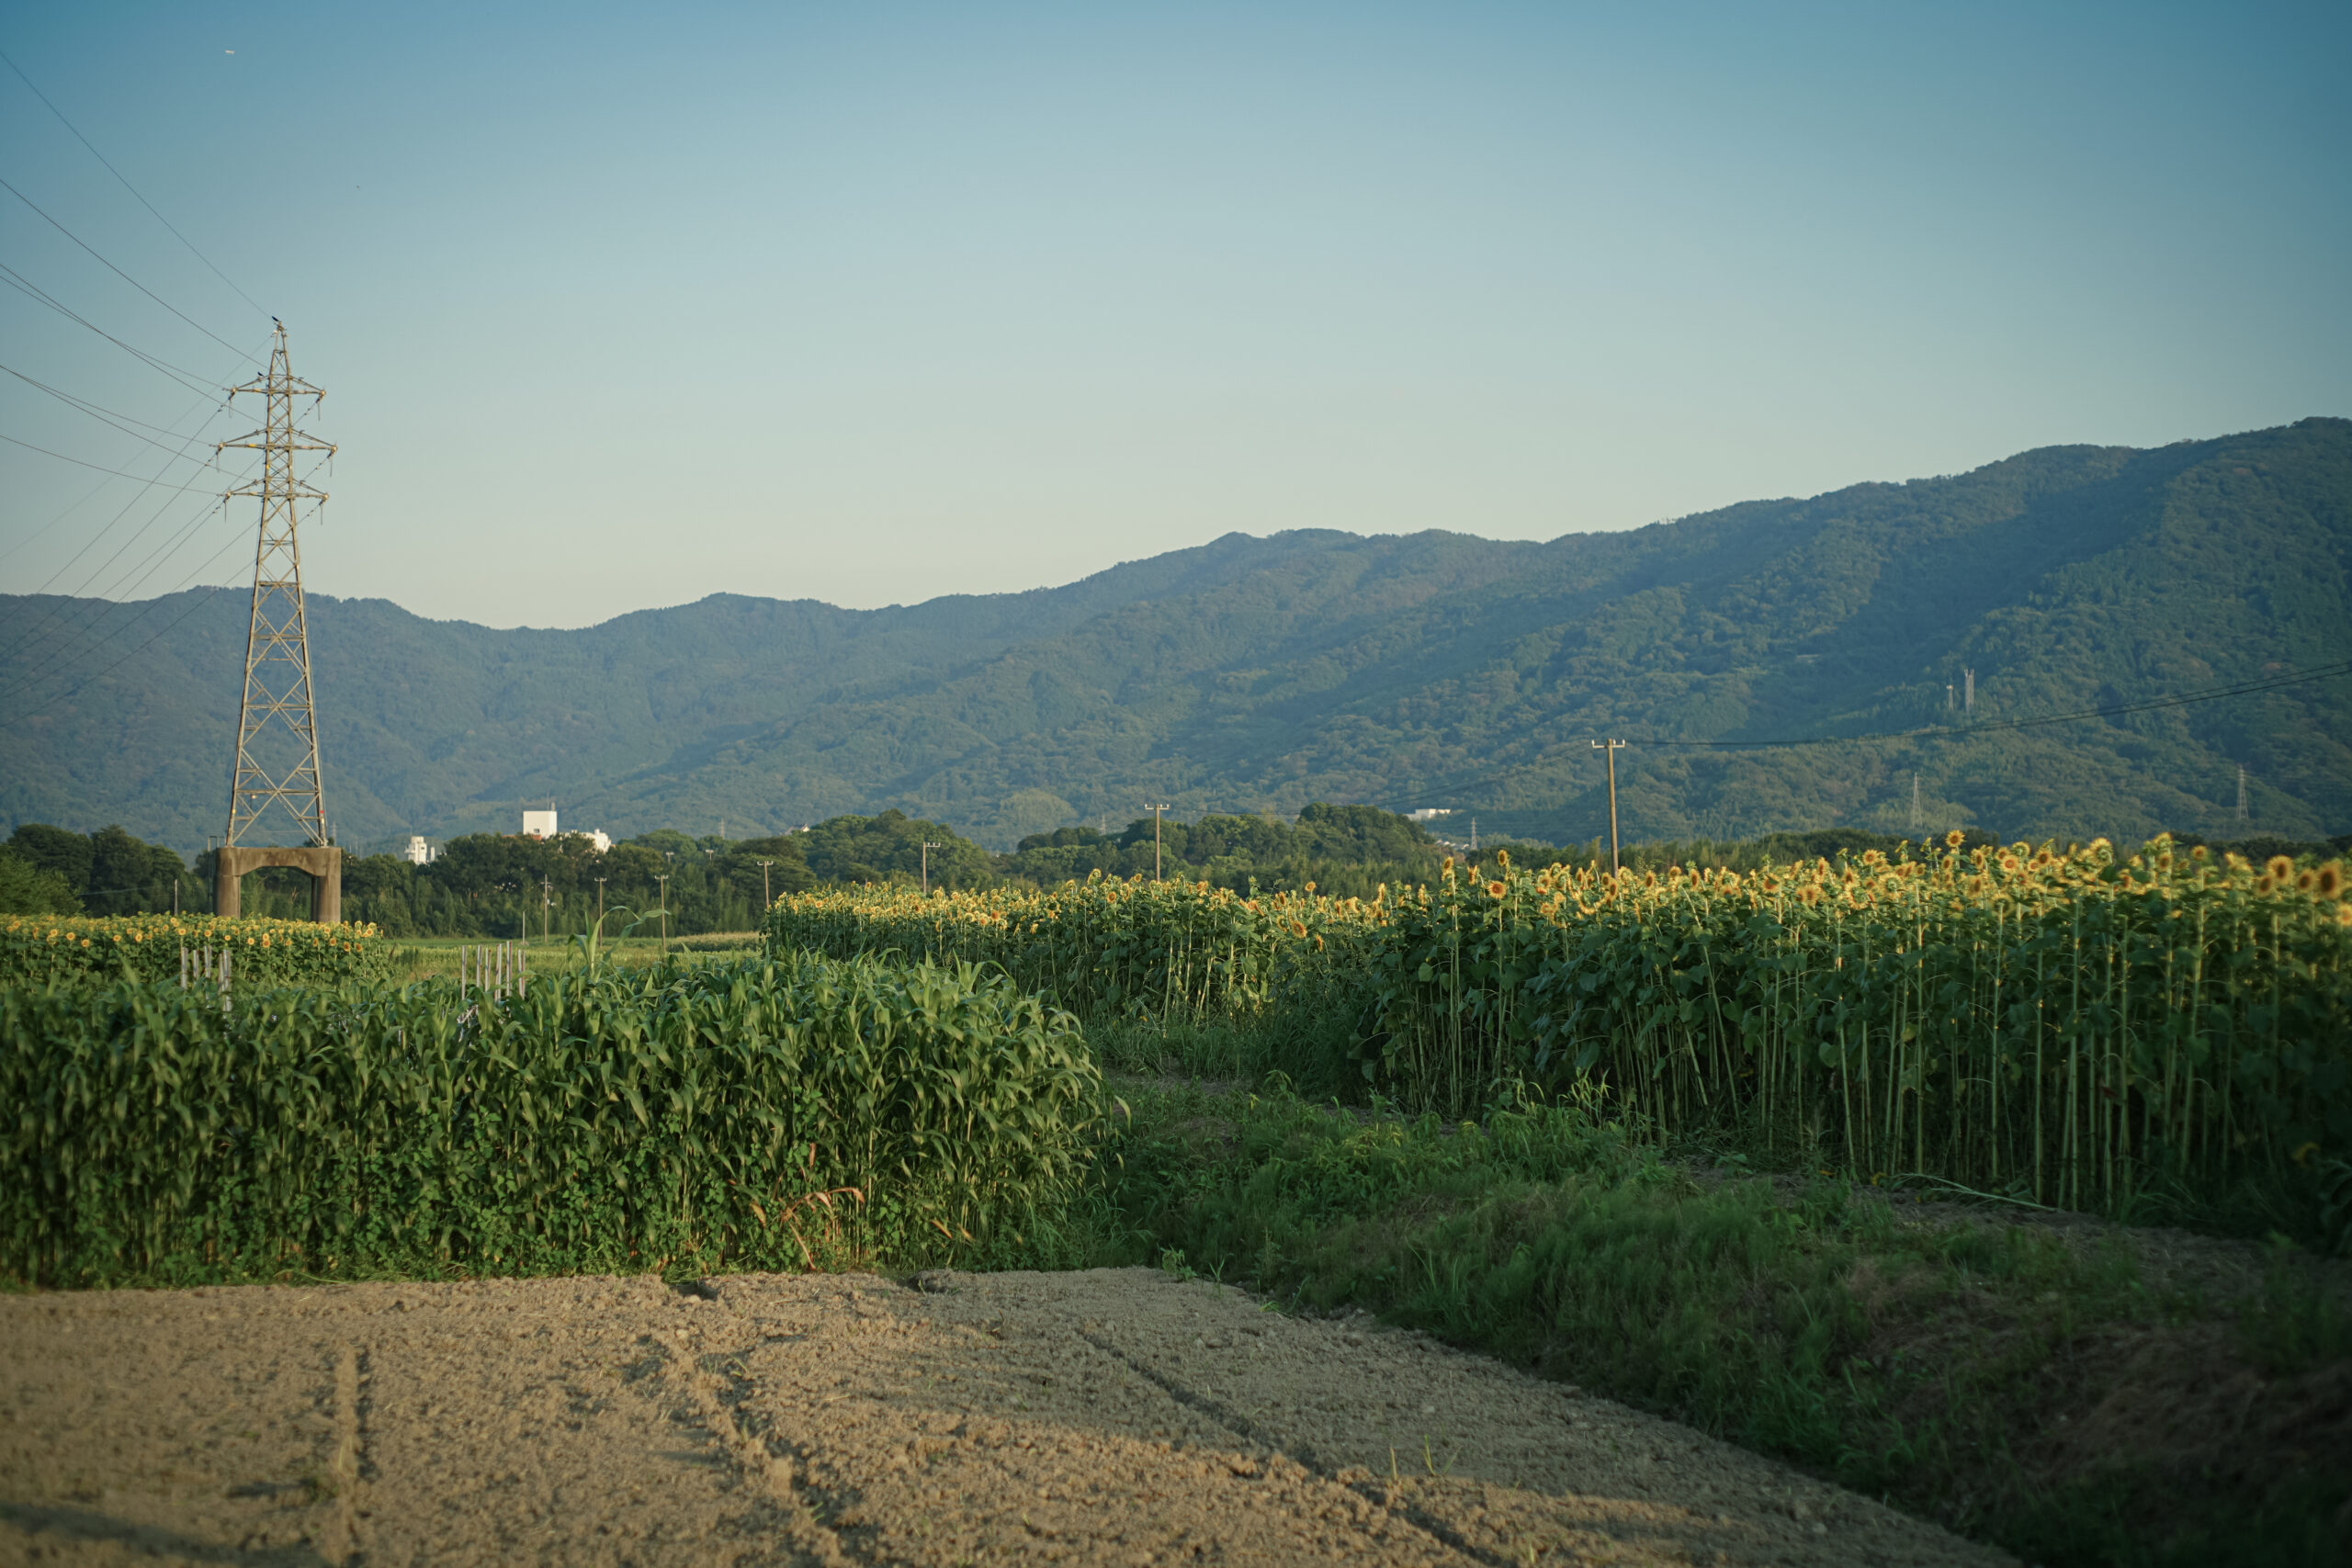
(323, 862)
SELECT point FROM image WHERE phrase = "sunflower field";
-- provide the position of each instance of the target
(2061, 1025)
(36, 950)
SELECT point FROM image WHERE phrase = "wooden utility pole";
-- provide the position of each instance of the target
(546, 903)
(600, 906)
(665, 881)
(1611, 748)
(927, 847)
(766, 897)
(1155, 839)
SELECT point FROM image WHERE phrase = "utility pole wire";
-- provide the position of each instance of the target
(118, 175)
(102, 260)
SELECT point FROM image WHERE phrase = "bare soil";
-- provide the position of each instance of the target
(1113, 1417)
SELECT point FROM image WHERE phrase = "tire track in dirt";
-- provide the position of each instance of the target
(1114, 1416)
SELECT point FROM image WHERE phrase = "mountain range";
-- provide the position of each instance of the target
(1435, 669)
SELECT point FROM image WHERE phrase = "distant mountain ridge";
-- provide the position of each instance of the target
(1431, 669)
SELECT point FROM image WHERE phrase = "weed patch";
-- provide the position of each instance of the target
(1989, 1375)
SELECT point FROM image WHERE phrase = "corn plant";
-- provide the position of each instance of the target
(770, 1113)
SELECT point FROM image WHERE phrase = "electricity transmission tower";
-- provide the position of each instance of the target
(278, 701)
(278, 726)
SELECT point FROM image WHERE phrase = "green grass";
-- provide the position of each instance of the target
(436, 957)
(1934, 1364)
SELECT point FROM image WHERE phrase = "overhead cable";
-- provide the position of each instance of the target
(101, 468)
(102, 260)
(188, 379)
(118, 175)
(122, 422)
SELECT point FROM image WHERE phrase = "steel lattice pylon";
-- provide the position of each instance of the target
(278, 642)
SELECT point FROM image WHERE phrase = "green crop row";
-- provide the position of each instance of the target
(2063, 1026)
(761, 1114)
(36, 949)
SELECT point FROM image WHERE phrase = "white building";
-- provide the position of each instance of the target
(539, 824)
(419, 853)
(1429, 814)
(596, 836)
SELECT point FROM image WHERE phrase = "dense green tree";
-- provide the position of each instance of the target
(888, 848)
(59, 850)
(105, 872)
(30, 889)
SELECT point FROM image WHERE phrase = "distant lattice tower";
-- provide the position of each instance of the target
(278, 730)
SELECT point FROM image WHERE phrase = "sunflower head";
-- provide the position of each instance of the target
(2280, 868)
(2330, 880)
(1952, 839)
(1808, 895)
(1496, 889)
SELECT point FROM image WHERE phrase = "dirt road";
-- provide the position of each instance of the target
(1116, 1416)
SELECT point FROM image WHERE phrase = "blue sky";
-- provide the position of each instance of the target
(620, 307)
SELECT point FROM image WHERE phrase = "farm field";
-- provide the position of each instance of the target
(1803, 1157)
(1105, 1417)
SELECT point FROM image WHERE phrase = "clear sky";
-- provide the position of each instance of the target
(620, 307)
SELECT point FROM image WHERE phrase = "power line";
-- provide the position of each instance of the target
(101, 468)
(69, 604)
(194, 605)
(118, 175)
(145, 569)
(188, 379)
(90, 543)
(102, 260)
(41, 672)
(205, 396)
(122, 422)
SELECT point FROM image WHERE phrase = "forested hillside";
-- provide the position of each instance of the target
(1435, 669)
